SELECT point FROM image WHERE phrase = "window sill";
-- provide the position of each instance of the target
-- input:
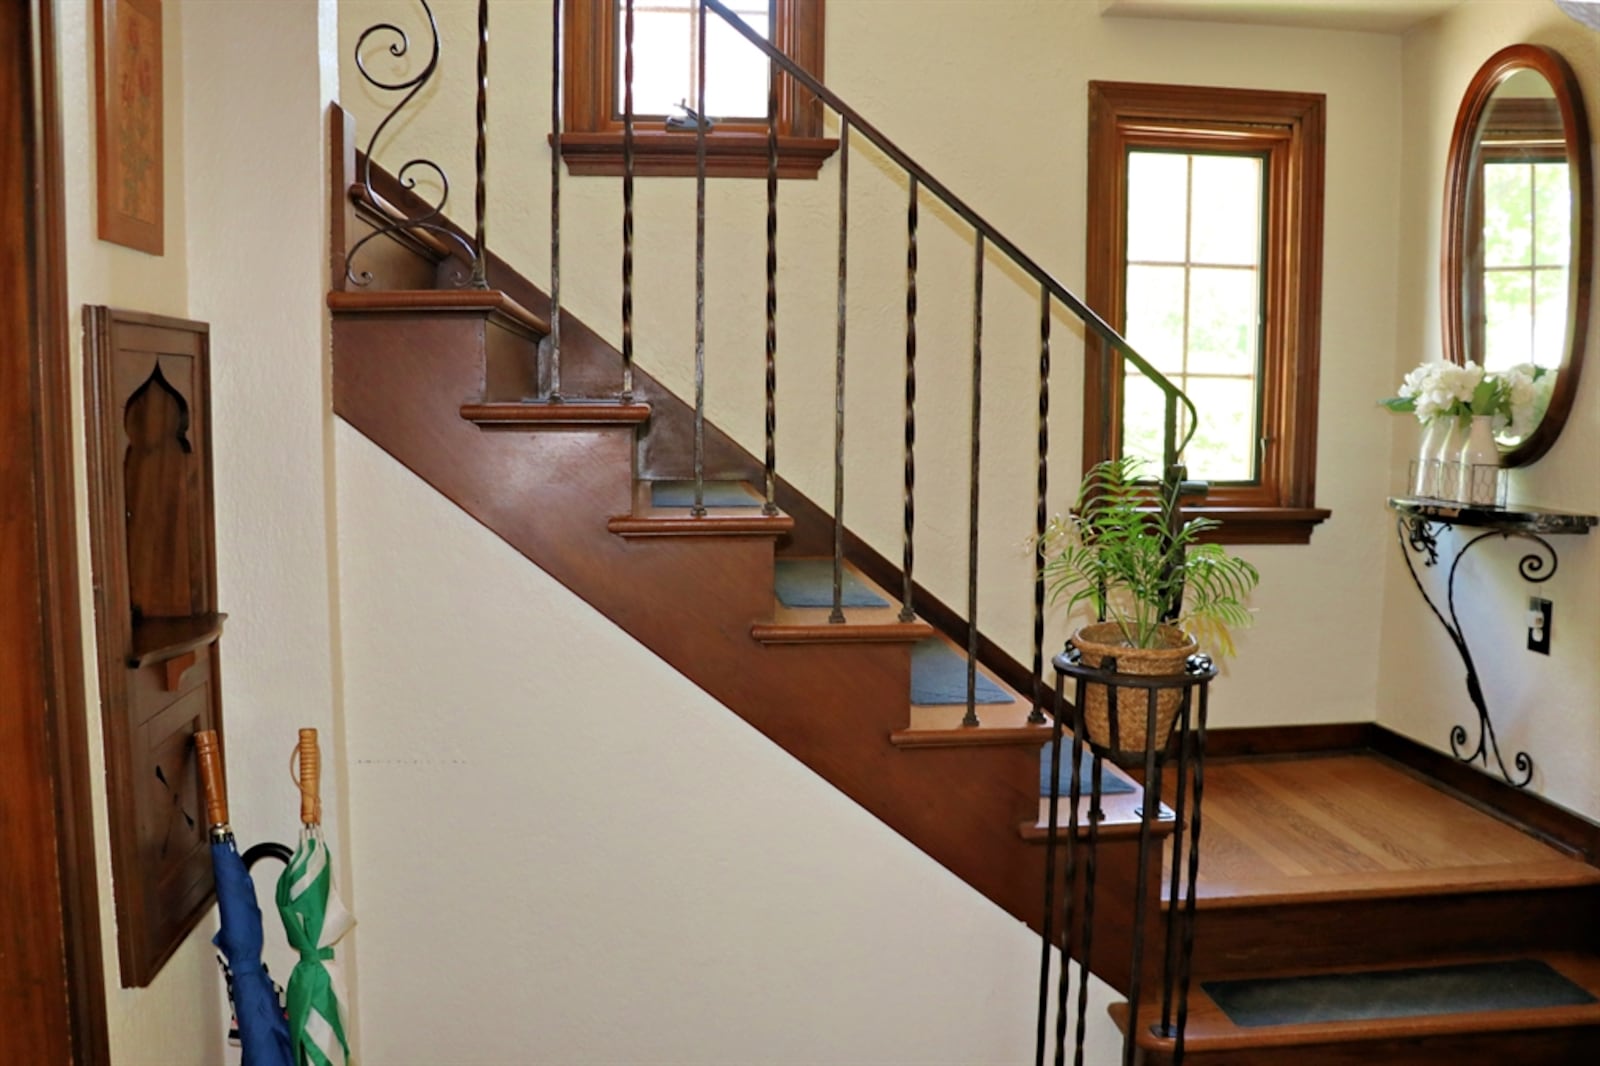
(1260, 525)
(731, 154)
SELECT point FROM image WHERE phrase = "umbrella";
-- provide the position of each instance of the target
(263, 1033)
(315, 919)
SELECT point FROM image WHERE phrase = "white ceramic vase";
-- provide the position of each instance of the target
(1480, 465)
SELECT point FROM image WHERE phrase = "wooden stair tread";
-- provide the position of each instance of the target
(571, 412)
(438, 301)
(810, 625)
(1209, 1029)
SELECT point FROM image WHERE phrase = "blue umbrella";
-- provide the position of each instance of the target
(263, 1031)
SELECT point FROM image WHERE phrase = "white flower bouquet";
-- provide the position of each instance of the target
(1445, 390)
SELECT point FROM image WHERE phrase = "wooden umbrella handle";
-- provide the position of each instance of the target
(310, 756)
(212, 779)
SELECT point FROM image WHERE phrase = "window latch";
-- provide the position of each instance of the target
(689, 120)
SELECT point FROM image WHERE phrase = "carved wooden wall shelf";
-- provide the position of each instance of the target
(155, 588)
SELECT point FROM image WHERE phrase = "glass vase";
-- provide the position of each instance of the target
(1480, 465)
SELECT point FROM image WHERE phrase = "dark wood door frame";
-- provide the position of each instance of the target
(52, 985)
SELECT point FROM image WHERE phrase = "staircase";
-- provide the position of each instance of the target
(600, 493)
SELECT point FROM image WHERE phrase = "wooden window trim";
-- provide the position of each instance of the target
(1290, 129)
(591, 139)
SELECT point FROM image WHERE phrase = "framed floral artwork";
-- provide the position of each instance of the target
(130, 186)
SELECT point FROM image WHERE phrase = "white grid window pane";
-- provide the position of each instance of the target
(1193, 303)
(1228, 229)
(664, 43)
(1155, 319)
(1155, 215)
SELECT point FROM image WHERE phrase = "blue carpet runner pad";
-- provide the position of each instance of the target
(809, 583)
(1515, 984)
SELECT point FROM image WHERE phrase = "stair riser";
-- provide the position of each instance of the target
(1557, 1047)
(1251, 940)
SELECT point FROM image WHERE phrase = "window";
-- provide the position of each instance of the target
(1205, 251)
(665, 37)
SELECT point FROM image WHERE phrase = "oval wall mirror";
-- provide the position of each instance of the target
(1519, 234)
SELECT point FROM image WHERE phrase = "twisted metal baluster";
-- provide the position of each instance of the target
(699, 508)
(480, 273)
(771, 506)
(555, 202)
(836, 616)
(395, 221)
(1047, 934)
(970, 719)
(627, 203)
(907, 608)
(1036, 716)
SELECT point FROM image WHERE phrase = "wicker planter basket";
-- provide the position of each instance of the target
(1103, 640)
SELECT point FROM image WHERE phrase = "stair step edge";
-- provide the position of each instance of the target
(679, 523)
(574, 412)
(440, 301)
(847, 632)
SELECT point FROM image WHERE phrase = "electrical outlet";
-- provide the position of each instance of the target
(1539, 625)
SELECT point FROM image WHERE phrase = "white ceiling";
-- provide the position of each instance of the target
(1374, 16)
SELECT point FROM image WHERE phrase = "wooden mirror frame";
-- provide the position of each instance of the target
(1575, 127)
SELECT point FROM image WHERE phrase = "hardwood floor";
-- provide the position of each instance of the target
(1349, 825)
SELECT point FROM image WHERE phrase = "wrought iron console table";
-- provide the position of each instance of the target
(1415, 527)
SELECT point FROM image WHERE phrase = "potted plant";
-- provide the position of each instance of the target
(1155, 591)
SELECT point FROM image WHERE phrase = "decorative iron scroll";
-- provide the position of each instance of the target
(395, 220)
(1418, 535)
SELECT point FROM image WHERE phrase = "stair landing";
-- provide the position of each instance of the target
(1301, 830)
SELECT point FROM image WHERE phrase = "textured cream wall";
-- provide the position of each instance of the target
(570, 854)
(173, 1020)
(254, 160)
(1548, 707)
(992, 97)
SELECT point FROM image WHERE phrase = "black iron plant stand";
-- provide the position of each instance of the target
(1068, 925)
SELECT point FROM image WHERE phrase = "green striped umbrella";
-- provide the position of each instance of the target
(314, 919)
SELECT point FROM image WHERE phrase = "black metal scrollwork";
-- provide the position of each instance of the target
(397, 221)
(1536, 566)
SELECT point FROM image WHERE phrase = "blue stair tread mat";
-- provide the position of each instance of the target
(809, 583)
(939, 676)
(717, 494)
(1514, 984)
(1109, 784)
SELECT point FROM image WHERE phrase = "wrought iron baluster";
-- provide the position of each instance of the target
(480, 259)
(555, 202)
(395, 221)
(970, 719)
(1169, 959)
(699, 508)
(836, 616)
(1154, 758)
(1086, 966)
(1186, 950)
(1036, 716)
(627, 202)
(907, 607)
(1047, 932)
(771, 470)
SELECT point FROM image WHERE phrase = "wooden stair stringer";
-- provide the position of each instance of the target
(549, 494)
